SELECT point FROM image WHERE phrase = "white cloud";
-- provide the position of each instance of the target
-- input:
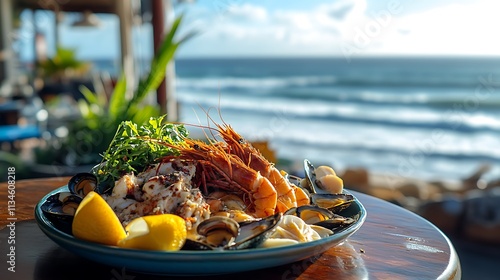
(345, 27)
(453, 29)
(247, 12)
(252, 30)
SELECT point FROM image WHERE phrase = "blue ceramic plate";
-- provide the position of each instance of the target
(196, 262)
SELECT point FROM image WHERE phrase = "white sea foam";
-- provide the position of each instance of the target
(253, 83)
(364, 114)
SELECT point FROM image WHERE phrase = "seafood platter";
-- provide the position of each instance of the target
(240, 212)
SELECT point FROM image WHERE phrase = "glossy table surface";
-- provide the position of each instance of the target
(393, 243)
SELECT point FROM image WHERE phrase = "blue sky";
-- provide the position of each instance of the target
(302, 28)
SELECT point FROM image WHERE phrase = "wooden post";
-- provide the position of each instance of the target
(165, 94)
(7, 59)
(124, 12)
(57, 21)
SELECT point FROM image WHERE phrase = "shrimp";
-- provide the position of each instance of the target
(230, 173)
(254, 159)
(301, 195)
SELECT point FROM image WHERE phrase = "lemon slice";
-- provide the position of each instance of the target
(165, 232)
(95, 221)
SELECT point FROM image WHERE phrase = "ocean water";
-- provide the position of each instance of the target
(429, 117)
(436, 118)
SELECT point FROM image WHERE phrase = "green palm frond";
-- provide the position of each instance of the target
(106, 114)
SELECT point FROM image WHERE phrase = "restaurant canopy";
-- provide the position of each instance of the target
(96, 6)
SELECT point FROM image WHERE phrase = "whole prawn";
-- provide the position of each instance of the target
(231, 173)
(288, 195)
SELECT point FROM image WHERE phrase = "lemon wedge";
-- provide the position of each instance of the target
(95, 221)
(165, 232)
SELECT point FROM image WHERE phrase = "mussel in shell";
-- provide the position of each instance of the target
(322, 179)
(309, 182)
(336, 223)
(254, 233)
(318, 216)
(222, 233)
(60, 208)
(82, 183)
(310, 214)
(333, 202)
(218, 231)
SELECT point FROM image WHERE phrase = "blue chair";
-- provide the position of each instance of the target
(12, 133)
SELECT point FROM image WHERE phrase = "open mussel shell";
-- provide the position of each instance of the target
(82, 183)
(223, 233)
(311, 181)
(322, 179)
(319, 216)
(336, 223)
(196, 245)
(310, 178)
(294, 180)
(310, 214)
(333, 202)
(218, 231)
(61, 204)
(254, 233)
(60, 209)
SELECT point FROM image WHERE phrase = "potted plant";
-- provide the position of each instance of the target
(61, 74)
(100, 116)
(63, 66)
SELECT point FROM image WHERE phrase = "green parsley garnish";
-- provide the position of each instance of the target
(134, 148)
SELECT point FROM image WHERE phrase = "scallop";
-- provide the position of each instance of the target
(322, 179)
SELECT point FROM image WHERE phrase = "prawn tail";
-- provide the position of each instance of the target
(264, 197)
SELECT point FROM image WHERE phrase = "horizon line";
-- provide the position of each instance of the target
(373, 56)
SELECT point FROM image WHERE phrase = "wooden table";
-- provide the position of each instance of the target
(393, 243)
